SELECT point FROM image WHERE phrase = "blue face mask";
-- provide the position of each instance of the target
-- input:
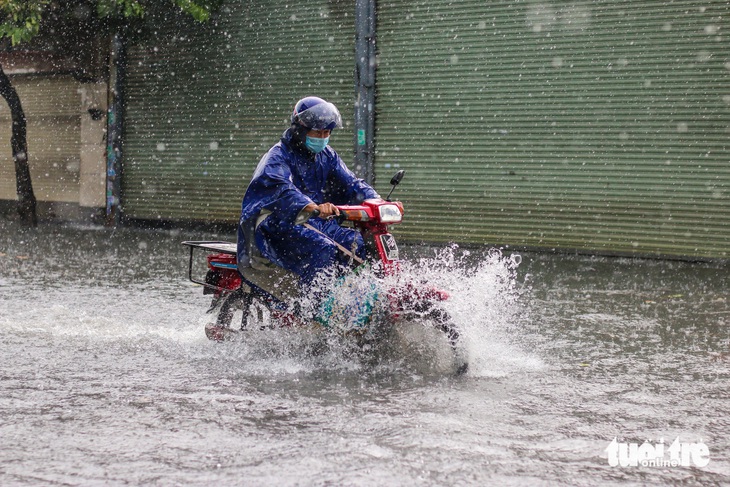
(316, 144)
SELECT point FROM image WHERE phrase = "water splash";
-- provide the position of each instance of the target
(484, 303)
(144, 303)
(483, 306)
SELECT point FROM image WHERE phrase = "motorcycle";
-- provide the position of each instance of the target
(376, 299)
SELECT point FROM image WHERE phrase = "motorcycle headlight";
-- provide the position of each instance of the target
(390, 214)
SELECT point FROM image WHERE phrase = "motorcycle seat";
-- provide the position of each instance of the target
(275, 280)
(259, 270)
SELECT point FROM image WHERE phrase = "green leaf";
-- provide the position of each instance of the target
(200, 10)
(20, 20)
(120, 8)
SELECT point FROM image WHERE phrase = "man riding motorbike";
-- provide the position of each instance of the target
(298, 175)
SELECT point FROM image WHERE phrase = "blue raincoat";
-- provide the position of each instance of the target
(288, 178)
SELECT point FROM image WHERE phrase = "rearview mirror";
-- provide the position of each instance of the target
(394, 181)
(397, 177)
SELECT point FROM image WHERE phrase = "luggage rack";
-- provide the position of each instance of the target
(218, 246)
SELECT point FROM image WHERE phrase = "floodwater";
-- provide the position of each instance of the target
(107, 377)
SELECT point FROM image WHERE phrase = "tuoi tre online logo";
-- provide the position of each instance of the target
(647, 454)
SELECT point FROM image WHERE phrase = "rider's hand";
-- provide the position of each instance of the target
(325, 209)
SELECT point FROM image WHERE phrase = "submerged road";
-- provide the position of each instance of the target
(107, 378)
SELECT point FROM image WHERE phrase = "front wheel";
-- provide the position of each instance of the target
(442, 320)
(444, 340)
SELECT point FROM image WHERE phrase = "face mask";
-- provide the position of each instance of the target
(316, 144)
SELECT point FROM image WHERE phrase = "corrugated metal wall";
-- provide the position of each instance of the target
(601, 126)
(52, 109)
(206, 102)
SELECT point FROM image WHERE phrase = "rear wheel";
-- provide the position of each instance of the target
(224, 308)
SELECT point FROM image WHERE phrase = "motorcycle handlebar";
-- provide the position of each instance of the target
(339, 218)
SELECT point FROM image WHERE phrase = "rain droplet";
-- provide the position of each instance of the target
(704, 56)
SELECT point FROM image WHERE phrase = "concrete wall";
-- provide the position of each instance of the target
(66, 137)
(92, 171)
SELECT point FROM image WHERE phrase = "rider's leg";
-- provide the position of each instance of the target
(347, 237)
(314, 256)
(296, 248)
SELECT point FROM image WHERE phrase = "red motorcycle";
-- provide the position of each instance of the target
(377, 298)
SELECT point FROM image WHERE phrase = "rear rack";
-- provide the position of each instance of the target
(218, 246)
(213, 245)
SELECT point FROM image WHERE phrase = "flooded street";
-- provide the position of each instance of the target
(107, 377)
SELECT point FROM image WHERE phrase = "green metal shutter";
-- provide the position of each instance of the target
(52, 107)
(204, 104)
(600, 126)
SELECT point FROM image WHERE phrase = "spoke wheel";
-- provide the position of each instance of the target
(224, 308)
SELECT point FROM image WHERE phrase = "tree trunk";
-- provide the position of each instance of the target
(19, 143)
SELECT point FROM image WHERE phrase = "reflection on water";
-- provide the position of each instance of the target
(107, 377)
